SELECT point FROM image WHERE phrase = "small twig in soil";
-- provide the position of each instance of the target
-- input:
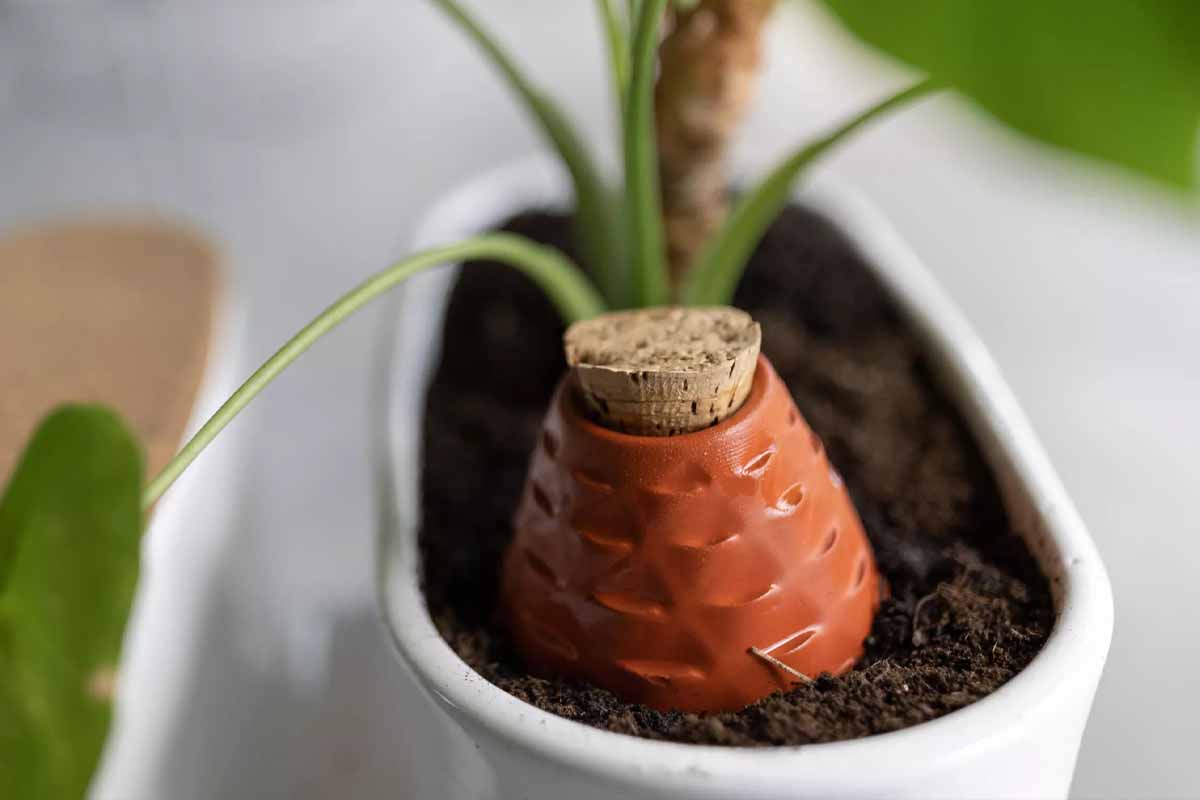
(883, 663)
(772, 660)
(918, 636)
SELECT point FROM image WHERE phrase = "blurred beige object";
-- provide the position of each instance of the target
(119, 313)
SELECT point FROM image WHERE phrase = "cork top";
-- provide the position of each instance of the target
(664, 371)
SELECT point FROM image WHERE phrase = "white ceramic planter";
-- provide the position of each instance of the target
(187, 539)
(1021, 741)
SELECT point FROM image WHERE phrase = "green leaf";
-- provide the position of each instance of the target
(719, 267)
(643, 201)
(70, 526)
(1114, 79)
(566, 286)
(599, 223)
(616, 36)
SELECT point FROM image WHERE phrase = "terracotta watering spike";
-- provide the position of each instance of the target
(699, 571)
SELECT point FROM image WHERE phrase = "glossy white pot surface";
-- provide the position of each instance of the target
(188, 536)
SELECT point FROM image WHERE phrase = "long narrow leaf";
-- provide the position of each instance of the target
(73, 521)
(566, 286)
(719, 268)
(616, 36)
(599, 224)
(643, 203)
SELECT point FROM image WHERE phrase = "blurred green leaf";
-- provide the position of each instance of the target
(1115, 79)
(718, 269)
(616, 37)
(70, 525)
(598, 218)
(564, 284)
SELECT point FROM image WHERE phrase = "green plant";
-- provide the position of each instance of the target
(1112, 79)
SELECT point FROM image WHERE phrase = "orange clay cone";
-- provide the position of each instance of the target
(700, 571)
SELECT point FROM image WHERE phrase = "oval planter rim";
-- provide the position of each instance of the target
(1065, 671)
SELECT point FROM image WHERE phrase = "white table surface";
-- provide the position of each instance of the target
(309, 137)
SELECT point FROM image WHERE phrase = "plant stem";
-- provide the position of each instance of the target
(719, 268)
(563, 282)
(643, 204)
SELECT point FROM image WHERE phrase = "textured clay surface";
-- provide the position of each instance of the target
(652, 565)
(967, 607)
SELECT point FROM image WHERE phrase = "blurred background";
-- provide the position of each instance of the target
(306, 138)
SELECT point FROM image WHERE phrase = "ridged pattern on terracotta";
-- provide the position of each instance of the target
(650, 565)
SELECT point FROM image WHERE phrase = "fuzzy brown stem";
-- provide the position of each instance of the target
(709, 72)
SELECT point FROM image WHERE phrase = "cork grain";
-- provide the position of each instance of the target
(663, 371)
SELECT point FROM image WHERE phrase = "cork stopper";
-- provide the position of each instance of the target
(663, 371)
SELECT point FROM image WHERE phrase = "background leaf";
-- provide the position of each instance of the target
(616, 37)
(599, 221)
(1116, 79)
(70, 526)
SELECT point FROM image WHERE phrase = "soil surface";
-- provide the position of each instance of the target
(967, 608)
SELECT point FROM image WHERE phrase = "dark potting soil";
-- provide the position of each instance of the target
(968, 607)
